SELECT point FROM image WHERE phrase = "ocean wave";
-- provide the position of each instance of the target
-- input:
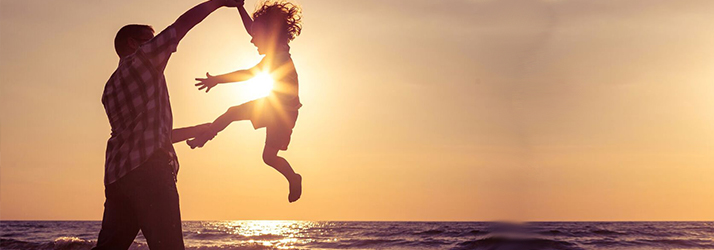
(73, 243)
(610, 243)
(510, 243)
(450, 233)
(245, 246)
(651, 243)
(61, 243)
(430, 232)
(611, 233)
(16, 244)
(10, 235)
(361, 243)
(475, 233)
(223, 235)
(554, 232)
(384, 235)
(676, 243)
(432, 243)
(606, 232)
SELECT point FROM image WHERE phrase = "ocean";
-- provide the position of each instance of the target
(225, 235)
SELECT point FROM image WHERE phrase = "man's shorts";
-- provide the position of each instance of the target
(278, 121)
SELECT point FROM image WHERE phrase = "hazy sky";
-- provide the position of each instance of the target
(413, 110)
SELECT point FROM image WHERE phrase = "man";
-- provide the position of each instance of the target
(141, 164)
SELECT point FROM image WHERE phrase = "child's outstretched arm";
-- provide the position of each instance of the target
(237, 76)
(247, 21)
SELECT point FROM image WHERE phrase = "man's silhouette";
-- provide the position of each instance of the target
(141, 164)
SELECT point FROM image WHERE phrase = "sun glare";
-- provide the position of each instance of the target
(258, 86)
(263, 234)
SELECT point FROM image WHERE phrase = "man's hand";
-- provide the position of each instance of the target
(233, 3)
(195, 15)
(181, 134)
(207, 83)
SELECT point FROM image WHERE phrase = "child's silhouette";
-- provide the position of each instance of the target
(274, 25)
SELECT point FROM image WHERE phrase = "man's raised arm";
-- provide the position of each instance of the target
(196, 14)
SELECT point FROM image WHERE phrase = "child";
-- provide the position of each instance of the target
(274, 25)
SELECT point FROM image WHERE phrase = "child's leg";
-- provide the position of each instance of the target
(235, 113)
(270, 157)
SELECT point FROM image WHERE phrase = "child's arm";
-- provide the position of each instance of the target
(237, 76)
(247, 21)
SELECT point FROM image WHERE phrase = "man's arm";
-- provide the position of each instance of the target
(182, 134)
(159, 49)
(247, 21)
(196, 14)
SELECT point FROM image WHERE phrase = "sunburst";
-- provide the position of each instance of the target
(258, 86)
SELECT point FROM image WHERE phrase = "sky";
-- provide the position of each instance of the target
(455, 110)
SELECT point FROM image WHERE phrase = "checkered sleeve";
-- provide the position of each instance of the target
(159, 49)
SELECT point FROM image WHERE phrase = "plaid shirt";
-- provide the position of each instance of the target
(136, 101)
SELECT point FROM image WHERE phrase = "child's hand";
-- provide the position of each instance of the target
(207, 83)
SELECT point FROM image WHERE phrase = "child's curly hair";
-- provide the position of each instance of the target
(287, 14)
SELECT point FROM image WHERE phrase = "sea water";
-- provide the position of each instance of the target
(381, 235)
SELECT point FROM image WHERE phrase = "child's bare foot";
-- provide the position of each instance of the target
(199, 141)
(295, 188)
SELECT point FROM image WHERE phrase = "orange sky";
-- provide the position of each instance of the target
(413, 110)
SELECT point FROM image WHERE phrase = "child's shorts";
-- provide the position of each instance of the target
(278, 121)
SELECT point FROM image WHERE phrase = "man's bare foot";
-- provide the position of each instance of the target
(295, 188)
(199, 141)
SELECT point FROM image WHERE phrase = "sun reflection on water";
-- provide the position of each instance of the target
(266, 233)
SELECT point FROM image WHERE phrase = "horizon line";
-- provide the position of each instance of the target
(484, 221)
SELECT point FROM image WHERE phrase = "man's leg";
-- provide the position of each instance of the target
(119, 225)
(157, 207)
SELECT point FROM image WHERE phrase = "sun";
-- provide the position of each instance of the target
(259, 86)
